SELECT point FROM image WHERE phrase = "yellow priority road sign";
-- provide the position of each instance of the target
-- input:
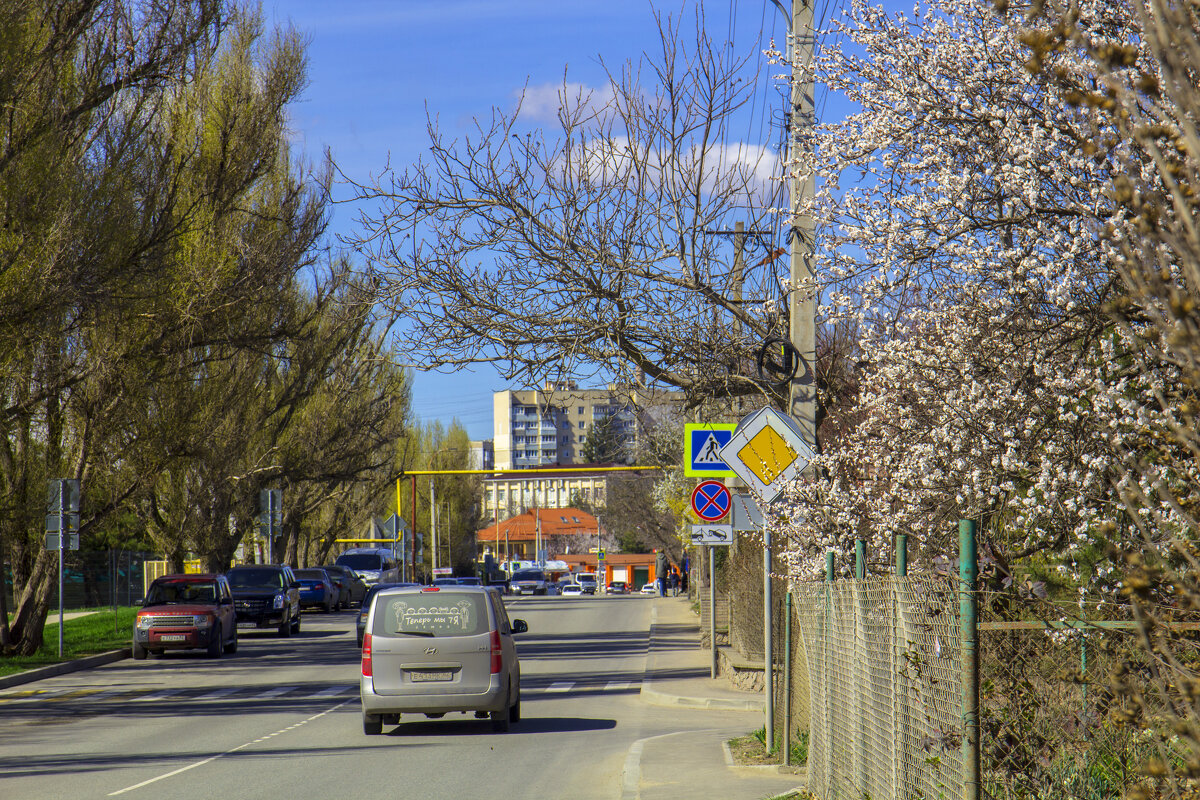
(766, 451)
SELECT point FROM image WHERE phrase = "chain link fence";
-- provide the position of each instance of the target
(1067, 710)
(885, 680)
(1072, 705)
(93, 579)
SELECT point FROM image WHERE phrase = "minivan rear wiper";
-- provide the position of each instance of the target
(416, 633)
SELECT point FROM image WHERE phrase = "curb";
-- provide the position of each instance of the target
(631, 774)
(801, 773)
(29, 676)
(657, 698)
(653, 697)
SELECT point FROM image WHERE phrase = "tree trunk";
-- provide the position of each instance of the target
(29, 617)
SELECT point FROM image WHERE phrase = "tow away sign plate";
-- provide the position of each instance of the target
(719, 535)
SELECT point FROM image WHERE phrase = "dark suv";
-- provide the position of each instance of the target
(266, 596)
(186, 612)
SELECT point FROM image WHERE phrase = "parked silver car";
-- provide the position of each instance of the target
(433, 650)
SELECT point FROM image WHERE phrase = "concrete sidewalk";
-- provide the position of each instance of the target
(695, 764)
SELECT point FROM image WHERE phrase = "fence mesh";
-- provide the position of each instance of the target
(885, 678)
(94, 578)
(1056, 722)
(1072, 706)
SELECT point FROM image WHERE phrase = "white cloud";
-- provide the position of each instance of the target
(543, 102)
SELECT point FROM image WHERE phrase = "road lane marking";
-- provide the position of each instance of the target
(334, 690)
(616, 686)
(32, 694)
(210, 759)
(275, 692)
(215, 693)
(78, 694)
(560, 687)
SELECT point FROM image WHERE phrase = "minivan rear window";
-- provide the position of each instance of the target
(529, 575)
(361, 561)
(431, 614)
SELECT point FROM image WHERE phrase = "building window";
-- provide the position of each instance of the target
(582, 438)
(581, 411)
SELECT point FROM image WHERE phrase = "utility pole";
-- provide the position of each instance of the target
(802, 236)
(802, 303)
(433, 531)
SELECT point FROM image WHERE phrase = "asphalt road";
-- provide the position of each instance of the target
(281, 719)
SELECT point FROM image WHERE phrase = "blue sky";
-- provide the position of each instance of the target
(375, 66)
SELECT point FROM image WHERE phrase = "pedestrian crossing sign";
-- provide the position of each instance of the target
(702, 443)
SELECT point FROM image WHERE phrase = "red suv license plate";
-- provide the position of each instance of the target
(173, 637)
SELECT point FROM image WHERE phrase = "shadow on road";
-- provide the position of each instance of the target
(475, 727)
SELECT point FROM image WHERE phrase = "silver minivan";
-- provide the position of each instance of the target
(436, 649)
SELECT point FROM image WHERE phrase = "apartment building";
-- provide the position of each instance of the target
(541, 427)
(507, 494)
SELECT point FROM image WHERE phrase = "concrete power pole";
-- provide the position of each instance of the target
(802, 236)
(802, 392)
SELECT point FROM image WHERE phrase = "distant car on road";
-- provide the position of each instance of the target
(529, 581)
(587, 582)
(351, 585)
(571, 590)
(266, 596)
(182, 612)
(618, 587)
(433, 650)
(317, 589)
(650, 588)
(445, 582)
(372, 564)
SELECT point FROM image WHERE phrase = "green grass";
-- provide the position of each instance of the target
(85, 636)
(799, 744)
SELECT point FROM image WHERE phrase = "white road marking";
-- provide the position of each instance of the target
(333, 691)
(616, 686)
(173, 773)
(560, 687)
(276, 691)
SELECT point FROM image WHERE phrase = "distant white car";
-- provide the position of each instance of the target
(650, 588)
(572, 590)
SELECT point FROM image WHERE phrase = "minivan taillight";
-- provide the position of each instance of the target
(497, 653)
(366, 655)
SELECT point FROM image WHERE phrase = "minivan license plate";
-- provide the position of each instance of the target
(431, 676)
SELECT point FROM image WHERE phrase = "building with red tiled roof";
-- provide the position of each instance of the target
(556, 530)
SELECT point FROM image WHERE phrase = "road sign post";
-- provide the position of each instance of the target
(270, 506)
(62, 531)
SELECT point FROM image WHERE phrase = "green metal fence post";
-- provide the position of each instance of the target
(968, 573)
(899, 642)
(787, 680)
(827, 709)
(861, 757)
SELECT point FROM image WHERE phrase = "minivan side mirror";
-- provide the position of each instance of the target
(519, 626)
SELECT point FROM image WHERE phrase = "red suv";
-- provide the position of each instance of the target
(184, 612)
